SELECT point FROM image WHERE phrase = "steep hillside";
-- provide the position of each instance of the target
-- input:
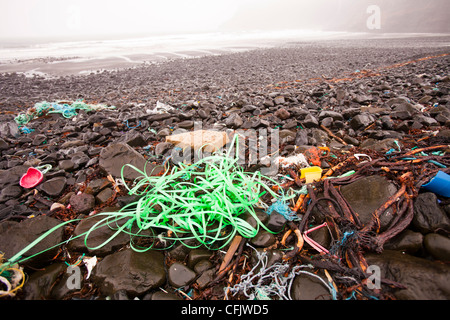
(344, 15)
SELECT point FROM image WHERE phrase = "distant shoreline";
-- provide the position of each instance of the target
(213, 76)
(84, 57)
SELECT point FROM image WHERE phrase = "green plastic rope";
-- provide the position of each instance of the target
(199, 201)
(204, 201)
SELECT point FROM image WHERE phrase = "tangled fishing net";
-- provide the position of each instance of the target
(264, 282)
(12, 279)
(203, 203)
(65, 108)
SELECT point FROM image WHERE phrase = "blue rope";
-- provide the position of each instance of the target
(342, 242)
(282, 208)
(26, 130)
(138, 125)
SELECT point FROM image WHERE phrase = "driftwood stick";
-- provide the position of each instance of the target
(331, 134)
(230, 253)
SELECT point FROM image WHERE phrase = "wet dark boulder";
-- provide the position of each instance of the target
(424, 279)
(368, 194)
(117, 155)
(131, 271)
(428, 215)
(15, 236)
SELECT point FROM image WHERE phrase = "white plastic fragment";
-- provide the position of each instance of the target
(298, 160)
(358, 155)
(208, 140)
(160, 108)
(90, 263)
(56, 206)
(7, 285)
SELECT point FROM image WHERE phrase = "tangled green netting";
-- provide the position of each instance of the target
(199, 201)
(66, 109)
(205, 201)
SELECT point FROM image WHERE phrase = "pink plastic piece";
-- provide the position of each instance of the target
(311, 242)
(32, 178)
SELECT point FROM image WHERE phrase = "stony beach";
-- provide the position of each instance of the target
(378, 107)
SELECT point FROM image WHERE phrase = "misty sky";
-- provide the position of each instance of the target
(35, 18)
(55, 18)
(83, 18)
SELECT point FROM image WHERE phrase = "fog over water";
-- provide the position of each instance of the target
(100, 19)
(139, 31)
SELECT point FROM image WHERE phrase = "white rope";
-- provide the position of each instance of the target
(278, 285)
(8, 286)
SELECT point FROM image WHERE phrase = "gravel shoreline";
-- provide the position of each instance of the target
(388, 99)
(226, 75)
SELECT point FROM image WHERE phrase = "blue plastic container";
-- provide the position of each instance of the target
(440, 184)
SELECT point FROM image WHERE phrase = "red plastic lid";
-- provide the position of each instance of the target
(32, 178)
